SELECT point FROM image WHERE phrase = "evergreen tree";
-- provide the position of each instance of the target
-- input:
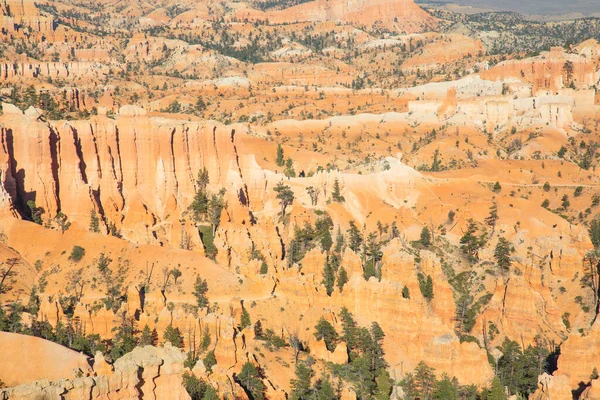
(280, 161)
(384, 385)
(594, 232)
(471, 241)
(565, 202)
(328, 276)
(354, 237)
(146, 338)
(249, 378)
(94, 222)
(336, 194)
(301, 384)
(285, 196)
(342, 279)
(205, 341)
(323, 389)
(424, 379)
(326, 332)
(245, 319)
(348, 328)
(425, 239)
(174, 336)
(497, 391)
(200, 290)
(446, 388)
(493, 216)
(124, 339)
(339, 241)
(210, 360)
(502, 254)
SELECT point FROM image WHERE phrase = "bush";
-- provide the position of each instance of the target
(77, 253)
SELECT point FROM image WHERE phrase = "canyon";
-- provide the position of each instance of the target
(194, 195)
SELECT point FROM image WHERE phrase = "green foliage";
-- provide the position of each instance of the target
(372, 255)
(94, 222)
(280, 160)
(301, 385)
(405, 292)
(210, 360)
(342, 279)
(426, 286)
(496, 392)
(174, 336)
(518, 369)
(546, 187)
(77, 253)
(249, 378)
(285, 195)
(545, 203)
(307, 238)
(123, 340)
(289, 171)
(199, 205)
(326, 332)
(208, 240)
(565, 203)
(472, 240)
(594, 231)
(329, 276)
(336, 195)
(502, 255)
(562, 151)
(196, 387)
(112, 282)
(425, 238)
(497, 187)
(366, 357)
(148, 337)
(245, 319)
(355, 238)
(200, 292)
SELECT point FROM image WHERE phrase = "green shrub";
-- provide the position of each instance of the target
(77, 253)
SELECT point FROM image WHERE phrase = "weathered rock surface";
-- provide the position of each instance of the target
(147, 372)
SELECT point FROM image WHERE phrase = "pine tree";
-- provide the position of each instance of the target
(285, 195)
(594, 231)
(326, 332)
(280, 161)
(502, 254)
(336, 194)
(251, 381)
(342, 279)
(174, 336)
(328, 276)
(200, 290)
(497, 391)
(354, 237)
(493, 216)
(245, 319)
(94, 222)
(146, 338)
(425, 239)
(301, 388)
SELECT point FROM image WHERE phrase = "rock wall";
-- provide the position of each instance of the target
(147, 372)
(402, 14)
